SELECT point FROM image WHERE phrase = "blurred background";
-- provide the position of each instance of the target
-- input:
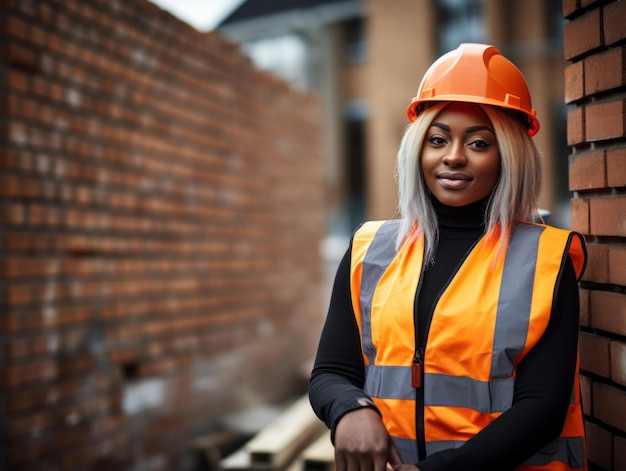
(178, 186)
(365, 60)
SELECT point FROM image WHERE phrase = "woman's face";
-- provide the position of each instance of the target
(460, 157)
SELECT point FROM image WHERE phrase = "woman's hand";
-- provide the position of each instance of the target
(363, 444)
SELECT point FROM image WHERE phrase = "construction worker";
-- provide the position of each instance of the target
(451, 340)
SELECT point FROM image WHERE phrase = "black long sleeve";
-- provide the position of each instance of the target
(542, 389)
(337, 378)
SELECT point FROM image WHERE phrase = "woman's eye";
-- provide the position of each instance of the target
(436, 140)
(479, 143)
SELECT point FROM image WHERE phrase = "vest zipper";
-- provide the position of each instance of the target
(417, 380)
(418, 360)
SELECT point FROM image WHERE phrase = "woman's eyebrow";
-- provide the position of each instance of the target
(445, 127)
(479, 128)
(469, 130)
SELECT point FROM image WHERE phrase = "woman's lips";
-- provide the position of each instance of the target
(454, 180)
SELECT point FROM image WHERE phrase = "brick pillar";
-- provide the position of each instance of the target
(595, 81)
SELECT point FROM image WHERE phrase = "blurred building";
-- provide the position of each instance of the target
(366, 58)
(318, 44)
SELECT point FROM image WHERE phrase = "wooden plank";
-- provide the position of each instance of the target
(319, 455)
(277, 444)
(212, 445)
(237, 461)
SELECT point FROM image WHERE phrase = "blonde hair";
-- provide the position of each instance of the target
(514, 197)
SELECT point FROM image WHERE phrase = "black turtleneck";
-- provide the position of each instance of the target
(459, 229)
(544, 378)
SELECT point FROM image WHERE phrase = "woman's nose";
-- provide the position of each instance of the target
(455, 156)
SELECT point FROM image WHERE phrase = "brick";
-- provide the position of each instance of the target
(616, 167)
(40, 87)
(9, 106)
(619, 453)
(585, 302)
(16, 242)
(607, 216)
(582, 34)
(574, 82)
(63, 438)
(597, 269)
(18, 133)
(45, 14)
(605, 71)
(617, 265)
(605, 120)
(609, 405)
(594, 354)
(586, 384)
(11, 268)
(77, 364)
(21, 56)
(34, 424)
(618, 360)
(608, 312)
(40, 39)
(28, 8)
(7, 159)
(18, 294)
(614, 16)
(580, 215)
(9, 186)
(17, 80)
(576, 126)
(587, 171)
(569, 7)
(56, 393)
(29, 188)
(85, 457)
(15, 28)
(599, 445)
(35, 372)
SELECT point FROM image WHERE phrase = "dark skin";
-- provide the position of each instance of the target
(363, 444)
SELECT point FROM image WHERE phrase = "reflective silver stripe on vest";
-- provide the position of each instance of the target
(379, 255)
(407, 449)
(394, 382)
(457, 391)
(390, 382)
(516, 289)
(568, 450)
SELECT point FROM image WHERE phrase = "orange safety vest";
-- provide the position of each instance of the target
(493, 312)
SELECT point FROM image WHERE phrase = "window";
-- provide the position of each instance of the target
(460, 21)
(355, 41)
(284, 56)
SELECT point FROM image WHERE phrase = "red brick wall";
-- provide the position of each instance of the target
(161, 213)
(595, 81)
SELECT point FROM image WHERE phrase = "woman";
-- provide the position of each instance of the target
(451, 337)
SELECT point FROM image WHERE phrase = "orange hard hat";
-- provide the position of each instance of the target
(476, 73)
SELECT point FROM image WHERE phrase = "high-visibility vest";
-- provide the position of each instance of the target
(492, 313)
